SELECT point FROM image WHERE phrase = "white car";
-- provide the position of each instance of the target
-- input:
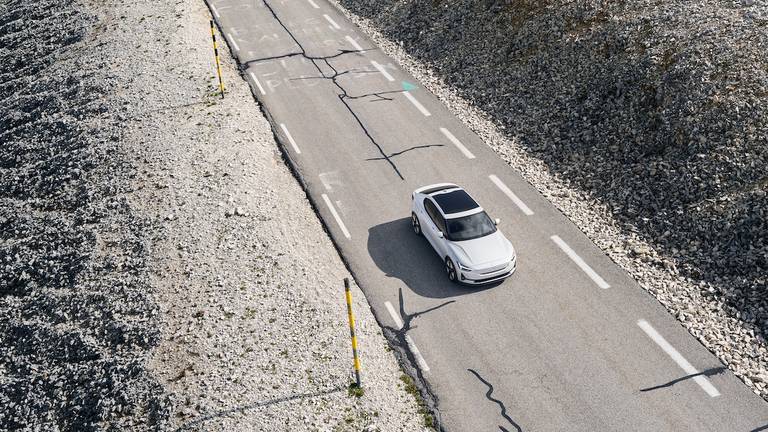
(462, 233)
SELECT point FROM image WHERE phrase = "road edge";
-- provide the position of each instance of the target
(401, 349)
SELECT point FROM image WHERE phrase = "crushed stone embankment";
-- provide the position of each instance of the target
(77, 319)
(645, 123)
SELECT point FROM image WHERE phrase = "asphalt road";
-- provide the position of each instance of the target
(559, 346)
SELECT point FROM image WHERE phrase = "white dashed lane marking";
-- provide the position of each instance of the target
(290, 139)
(336, 216)
(423, 110)
(580, 262)
(687, 367)
(518, 202)
(331, 179)
(314, 5)
(232, 41)
(408, 339)
(258, 84)
(383, 71)
(354, 43)
(215, 12)
(457, 143)
(330, 20)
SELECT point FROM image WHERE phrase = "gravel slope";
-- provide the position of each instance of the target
(76, 318)
(644, 122)
(160, 267)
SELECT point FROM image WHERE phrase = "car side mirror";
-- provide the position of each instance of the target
(497, 221)
(440, 234)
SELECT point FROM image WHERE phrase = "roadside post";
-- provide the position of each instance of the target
(218, 64)
(348, 295)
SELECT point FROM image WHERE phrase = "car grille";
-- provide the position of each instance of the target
(492, 278)
(493, 269)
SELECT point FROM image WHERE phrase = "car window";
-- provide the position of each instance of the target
(440, 223)
(434, 214)
(470, 227)
(430, 208)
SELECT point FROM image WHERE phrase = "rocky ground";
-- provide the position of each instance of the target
(160, 267)
(77, 319)
(645, 122)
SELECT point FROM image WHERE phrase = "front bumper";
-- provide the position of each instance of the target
(475, 277)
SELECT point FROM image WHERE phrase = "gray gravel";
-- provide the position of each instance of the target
(646, 123)
(76, 320)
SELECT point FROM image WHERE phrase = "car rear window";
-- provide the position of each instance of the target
(455, 202)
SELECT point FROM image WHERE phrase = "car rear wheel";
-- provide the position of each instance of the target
(450, 269)
(415, 224)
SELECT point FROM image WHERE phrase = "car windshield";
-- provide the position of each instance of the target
(470, 227)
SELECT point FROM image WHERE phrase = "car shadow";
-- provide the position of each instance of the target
(401, 254)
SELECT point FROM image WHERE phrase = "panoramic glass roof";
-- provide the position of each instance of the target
(456, 201)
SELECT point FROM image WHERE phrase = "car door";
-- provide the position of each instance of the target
(441, 243)
(430, 226)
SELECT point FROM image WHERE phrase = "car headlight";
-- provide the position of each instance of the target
(463, 267)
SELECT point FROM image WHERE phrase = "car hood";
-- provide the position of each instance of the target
(484, 250)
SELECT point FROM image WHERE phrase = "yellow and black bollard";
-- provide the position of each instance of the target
(218, 65)
(352, 331)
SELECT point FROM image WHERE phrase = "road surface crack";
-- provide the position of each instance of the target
(497, 401)
(407, 150)
(397, 337)
(707, 373)
(344, 96)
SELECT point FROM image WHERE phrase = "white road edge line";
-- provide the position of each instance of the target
(457, 143)
(258, 84)
(580, 262)
(314, 5)
(424, 111)
(394, 314)
(354, 43)
(290, 138)
(518, 202)
(381, 69)
(336, 216)
(417, 354)
(232, 40)
(408, 339)
(330, 20)
(702, 381)
(215, 12)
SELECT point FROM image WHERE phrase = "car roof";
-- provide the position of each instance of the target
(454, 201)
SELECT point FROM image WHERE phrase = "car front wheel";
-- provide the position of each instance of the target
(415, 224)
(450, 269)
